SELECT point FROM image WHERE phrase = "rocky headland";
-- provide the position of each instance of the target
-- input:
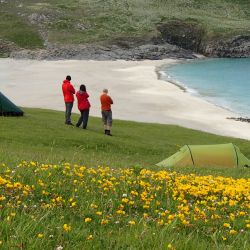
(237, 47)
(171, 38)
(175, 40)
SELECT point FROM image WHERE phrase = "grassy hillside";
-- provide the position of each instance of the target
(42, 136)
(17, 30)
(47, 203)
(85, 21)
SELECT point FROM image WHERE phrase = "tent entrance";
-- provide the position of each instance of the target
(8, 108)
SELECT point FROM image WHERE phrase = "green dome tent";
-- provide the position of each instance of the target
(8, 108)
(220, 155)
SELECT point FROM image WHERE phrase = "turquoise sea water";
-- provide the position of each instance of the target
(224, 82)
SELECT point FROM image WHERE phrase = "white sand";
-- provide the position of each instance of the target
(137, 93)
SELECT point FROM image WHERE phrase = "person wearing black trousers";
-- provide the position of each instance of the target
(83, 106)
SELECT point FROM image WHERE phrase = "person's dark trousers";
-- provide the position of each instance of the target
(83, 119)
(68, 107)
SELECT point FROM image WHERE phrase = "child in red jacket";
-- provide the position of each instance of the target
(83, 105)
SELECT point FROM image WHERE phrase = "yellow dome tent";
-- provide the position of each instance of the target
(220, 155)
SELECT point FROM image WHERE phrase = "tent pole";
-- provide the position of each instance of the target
(191, 154)
(237, 160)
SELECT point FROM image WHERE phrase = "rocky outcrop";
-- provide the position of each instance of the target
(235, 47)
(112, 52)
(6, 48)
(241, 119)
(188, 35)
(192, 36)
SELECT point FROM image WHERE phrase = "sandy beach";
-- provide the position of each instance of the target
(137, 92)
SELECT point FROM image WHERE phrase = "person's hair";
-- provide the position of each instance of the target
(105, 90)
(83, 88)
(68, 78)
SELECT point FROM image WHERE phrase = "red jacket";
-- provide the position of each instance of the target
(68, 91)
(83, 102)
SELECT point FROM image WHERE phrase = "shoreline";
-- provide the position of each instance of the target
(163, 75)
(137, 92)
(167, 78)
(160, 76)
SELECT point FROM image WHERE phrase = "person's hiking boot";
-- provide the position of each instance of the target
(105, 131)
(69, 123)
(108, 133)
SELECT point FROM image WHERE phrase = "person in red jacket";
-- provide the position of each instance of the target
(106, 103)
(68, 93)
(83, 106)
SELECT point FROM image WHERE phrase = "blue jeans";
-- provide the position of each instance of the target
(68, 109)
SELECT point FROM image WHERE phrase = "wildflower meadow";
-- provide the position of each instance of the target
(67, 206)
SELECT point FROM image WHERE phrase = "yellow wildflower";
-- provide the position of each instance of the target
(40, 235)
(171, 217)
(92, 205)
(86, 220)
(90, 237)
(104, 222)
(125, 200)
(73, 204)
(134, 193)
(185, 222)
(170, 246)
(2, 198)
(232, 231)
(160, 222)
(131, 222)
(120, 212)
(66, 228)
(25, 193)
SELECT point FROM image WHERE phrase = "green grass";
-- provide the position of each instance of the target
(36, 199)
(15, 29)
(106, 21)
(42, 136)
